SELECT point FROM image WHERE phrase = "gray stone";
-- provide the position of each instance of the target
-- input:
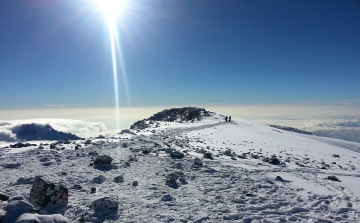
(119, 179)
(104, 159)
(333, 178)
(167, 197)
(99, 179)
(198, 162)
(208, 155)
(177, 154)
(105, 202)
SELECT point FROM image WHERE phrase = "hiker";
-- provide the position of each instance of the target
(229, 118)
(225, 118)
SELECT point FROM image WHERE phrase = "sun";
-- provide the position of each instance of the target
(111, 8)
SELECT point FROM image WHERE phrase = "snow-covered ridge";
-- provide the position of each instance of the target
(185, 114)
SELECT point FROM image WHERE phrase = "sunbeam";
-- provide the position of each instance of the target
(112, 11)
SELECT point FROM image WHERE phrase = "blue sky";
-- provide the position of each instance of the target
(179, 53)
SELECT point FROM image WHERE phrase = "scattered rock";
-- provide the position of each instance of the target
(104, 159)
(3, 196)
(99, 179)
(171, 181)
(135, 183)
(177, 154)
(119, 179)
(11, 165)
(333, 178)
(279, 178)
(105, 202)
(166, 197)
(25, 180)
(228, 152)
(208, 155)
(336, 155)
(93, 190)
(77, 186)
(198, 162)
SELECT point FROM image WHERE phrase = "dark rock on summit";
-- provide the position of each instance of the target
(184, 114)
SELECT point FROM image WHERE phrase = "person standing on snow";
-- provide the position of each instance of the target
(229, 118)
(225, 118)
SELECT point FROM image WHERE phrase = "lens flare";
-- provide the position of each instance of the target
(112, 10)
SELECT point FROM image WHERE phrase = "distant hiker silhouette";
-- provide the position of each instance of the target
(225, 118)
(229, 118)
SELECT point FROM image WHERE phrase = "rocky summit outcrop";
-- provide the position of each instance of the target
(34, 131)
(185, 114)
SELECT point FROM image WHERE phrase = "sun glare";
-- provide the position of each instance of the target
(112, 11)
(110, 8)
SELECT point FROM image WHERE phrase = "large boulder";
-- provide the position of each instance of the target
(46, 193)
(103, 160)
(30, 218)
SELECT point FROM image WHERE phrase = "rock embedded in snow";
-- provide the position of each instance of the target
(208, 155)
(119, 179)
(46, 193)
(177, 154)
(30, 218)
(99, 179)
(333, 178)
(25, 180)
(166, 197)
(198, 162)
(105, 202)
(336, 155)
(104, 160)
(3, 196)
(11, 165)
(135, 183)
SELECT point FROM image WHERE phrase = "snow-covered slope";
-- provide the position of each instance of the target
(159, 173)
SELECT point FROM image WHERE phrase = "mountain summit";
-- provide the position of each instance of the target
(188, 165)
